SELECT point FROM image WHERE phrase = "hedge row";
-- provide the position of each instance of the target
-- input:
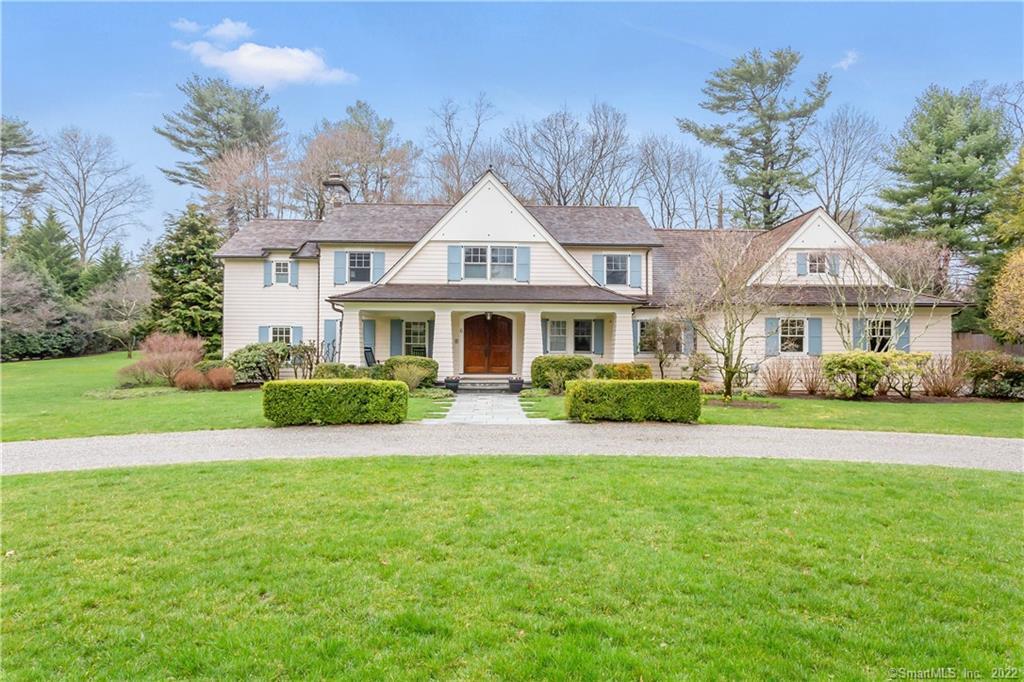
(662, 400)
(623, 370)
(335, 401)
(572, 365)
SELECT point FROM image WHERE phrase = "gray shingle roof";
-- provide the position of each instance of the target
(407, 223)
(680, 250)
(489, 293)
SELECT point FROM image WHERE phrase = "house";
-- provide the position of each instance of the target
(486, 285)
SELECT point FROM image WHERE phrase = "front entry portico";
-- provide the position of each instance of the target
(487, 344)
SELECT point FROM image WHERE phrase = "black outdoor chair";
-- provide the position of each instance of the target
(368, 355)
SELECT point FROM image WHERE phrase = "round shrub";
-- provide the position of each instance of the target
(573, 367)
(258, 362)
(190, 379)
(221, 378)
(853, 374)
(428, 364)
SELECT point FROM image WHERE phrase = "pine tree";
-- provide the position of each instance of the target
(946, 161)
(47, 248)
(187, 280)
(111, 267)
(19, 174)
(763, 150)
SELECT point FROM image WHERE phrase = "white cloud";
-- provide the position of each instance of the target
(252, 64)
(849, 59)
(228, 31)
(185, 25)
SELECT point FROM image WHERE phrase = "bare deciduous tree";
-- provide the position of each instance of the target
(454, 148)
(244, 184)
(713, 295)
(844, 165)
(680, 186)
(93, 188)
(563, 161)
(918, 279)
(379, 165)
(118, 307)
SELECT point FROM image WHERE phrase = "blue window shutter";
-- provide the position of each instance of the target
(341, 267)
(857, 329)
(598, 263)
(771, 336)
(634, 271)
(293, 273)
(264, 336)
(522, 263)
(430, 338)
(636, 336)
(598, 337)
(544, 336)
(396, 337)
(689, 340)
(801, 264)
(454, 263)
(296, 335)
(370, 334)
(903, 336)
(377, 268)
(814, 336)
(833, 265)
(330, 351)
(268, 273)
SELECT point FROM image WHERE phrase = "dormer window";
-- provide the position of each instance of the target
(282, 272)
(616, 269)
(817, 263)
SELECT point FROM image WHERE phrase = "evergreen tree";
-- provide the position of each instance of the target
(763, 150)
(187, 280)
(19, 174)
(111, 267)
(218, 117)
(47, 248)
(946, 160)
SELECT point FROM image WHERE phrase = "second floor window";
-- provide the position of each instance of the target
(488, 262)
(359, 266)
(817, 263)
(502, 262)
(282, 272)
(616, 269)
(791, 335)
(416, 338)
(475, 262)
(556, 335)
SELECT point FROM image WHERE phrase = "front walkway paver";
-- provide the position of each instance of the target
(485, 408)
(670, 440)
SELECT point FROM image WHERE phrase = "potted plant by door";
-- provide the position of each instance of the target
(515, 384)
(451, 383)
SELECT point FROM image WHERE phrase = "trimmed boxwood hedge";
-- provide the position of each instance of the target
(623, 370)
(573, 365)
(335, 401)
(588, 400)
(426, 363)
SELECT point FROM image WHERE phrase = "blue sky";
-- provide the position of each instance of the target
(112, 68)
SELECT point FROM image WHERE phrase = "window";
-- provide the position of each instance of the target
(474, 262)
(281, 334)
(282, 272)
(879, 333)
(616, 269)
(791, 335)
(416, 338)
(556, 335)
(359, 266)
(583, 336)
(817, 263)
(502, 260)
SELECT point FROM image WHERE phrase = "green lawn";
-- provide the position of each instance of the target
(538, 403)
(72, 397)
(975, 418)
(511, 568)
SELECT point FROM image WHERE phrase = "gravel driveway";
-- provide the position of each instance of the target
(1000, 454)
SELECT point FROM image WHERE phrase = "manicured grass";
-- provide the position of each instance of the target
(75, 397)
(511, 568)
(538, 403)
(974, 418)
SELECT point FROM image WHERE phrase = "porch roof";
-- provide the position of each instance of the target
(487, 293)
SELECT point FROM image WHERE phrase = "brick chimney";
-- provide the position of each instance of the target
(336, 191)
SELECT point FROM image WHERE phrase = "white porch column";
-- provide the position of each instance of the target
(444, 351)
(622, 337)
(533, 345)
(351, 345)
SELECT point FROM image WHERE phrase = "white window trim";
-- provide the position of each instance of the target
(605, 255)
(348, 267)
(488, 279)
(793, 353)
(288, 277)
(426, 336)
(574, 350)
(825, 258)
(893, 331)
(565, 337)
(282, 326)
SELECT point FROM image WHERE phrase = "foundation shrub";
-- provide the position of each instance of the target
(623, 371)
(573, 367)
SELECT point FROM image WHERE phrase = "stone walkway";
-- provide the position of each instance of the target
(486, 408)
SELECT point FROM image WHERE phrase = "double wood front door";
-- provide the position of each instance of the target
(487, 345)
